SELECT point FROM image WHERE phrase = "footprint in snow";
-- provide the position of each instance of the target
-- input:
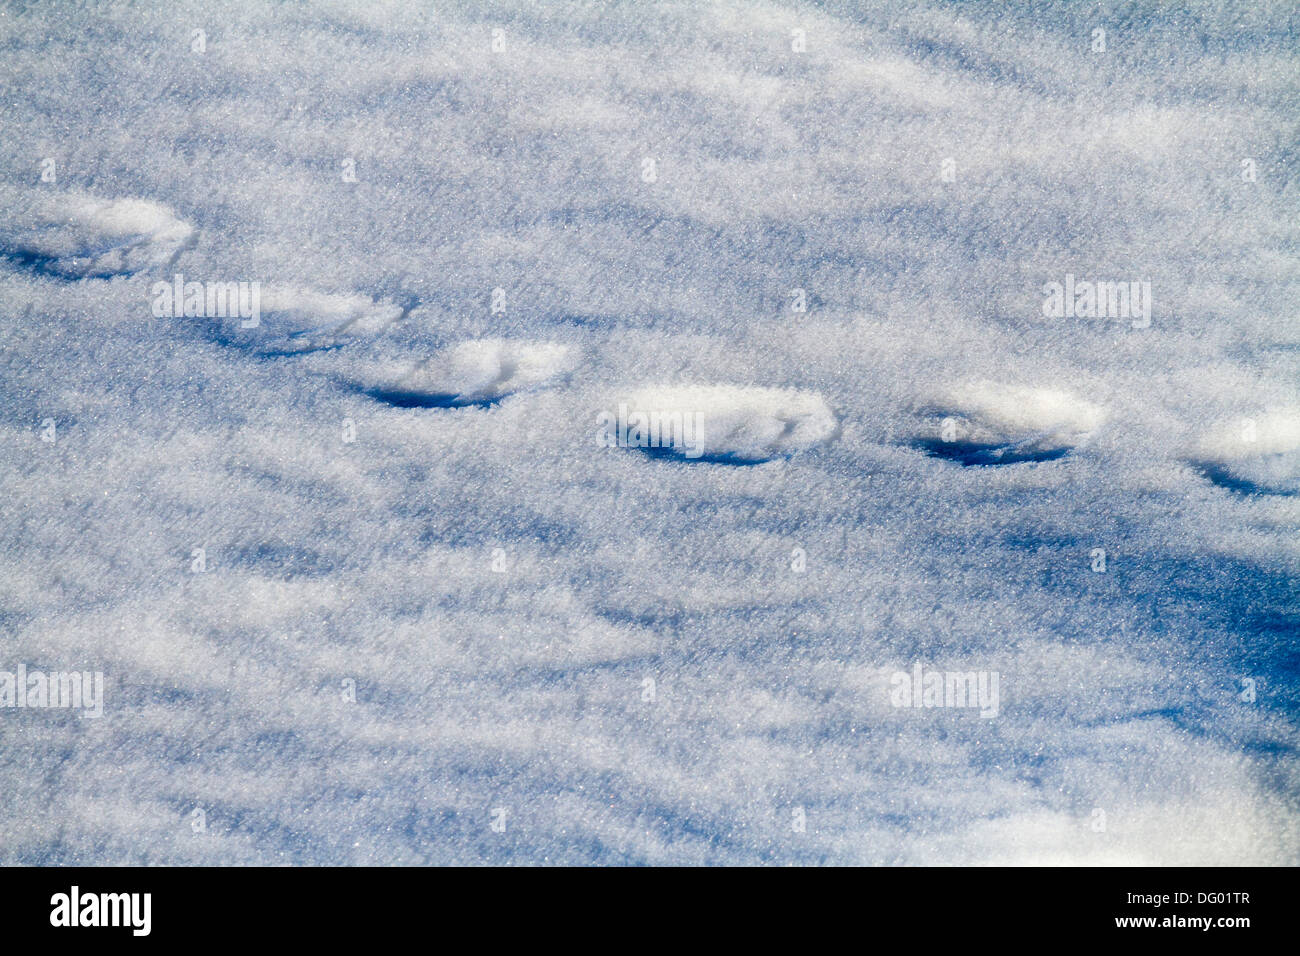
(478, 372)
(78, 236)
(722, 424)
(1258, 455)
(987, 423)
(294, 321)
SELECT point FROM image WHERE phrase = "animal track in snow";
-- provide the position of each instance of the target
(293, 321)
(719, 423)
(987, 423)
(1257, 455)
(478, 372)
(77, 236)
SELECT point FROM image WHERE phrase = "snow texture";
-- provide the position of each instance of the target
(74, 235)
(1260, 454)
(987, 423)
(721, 423)
(368, 585)
(478, 372)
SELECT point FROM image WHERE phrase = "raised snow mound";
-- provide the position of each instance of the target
(293, 320)
(478, 372)
(988, 423)
(1253, 455)
(719, 423)
(77, 236)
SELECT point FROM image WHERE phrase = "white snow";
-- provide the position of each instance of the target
(428, 592)
(78, 235)
(295, 319)
(723, 422)
(305, 310)
(1259, 452)
(482, 370)
(999, 423)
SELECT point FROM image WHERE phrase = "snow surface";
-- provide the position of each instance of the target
(1255, 454)
(989, 423)
(619, 657)
(479, 371)
(74, 235)
(724, 423)
(312, 319)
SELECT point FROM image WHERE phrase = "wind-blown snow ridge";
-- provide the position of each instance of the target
(76, 235)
